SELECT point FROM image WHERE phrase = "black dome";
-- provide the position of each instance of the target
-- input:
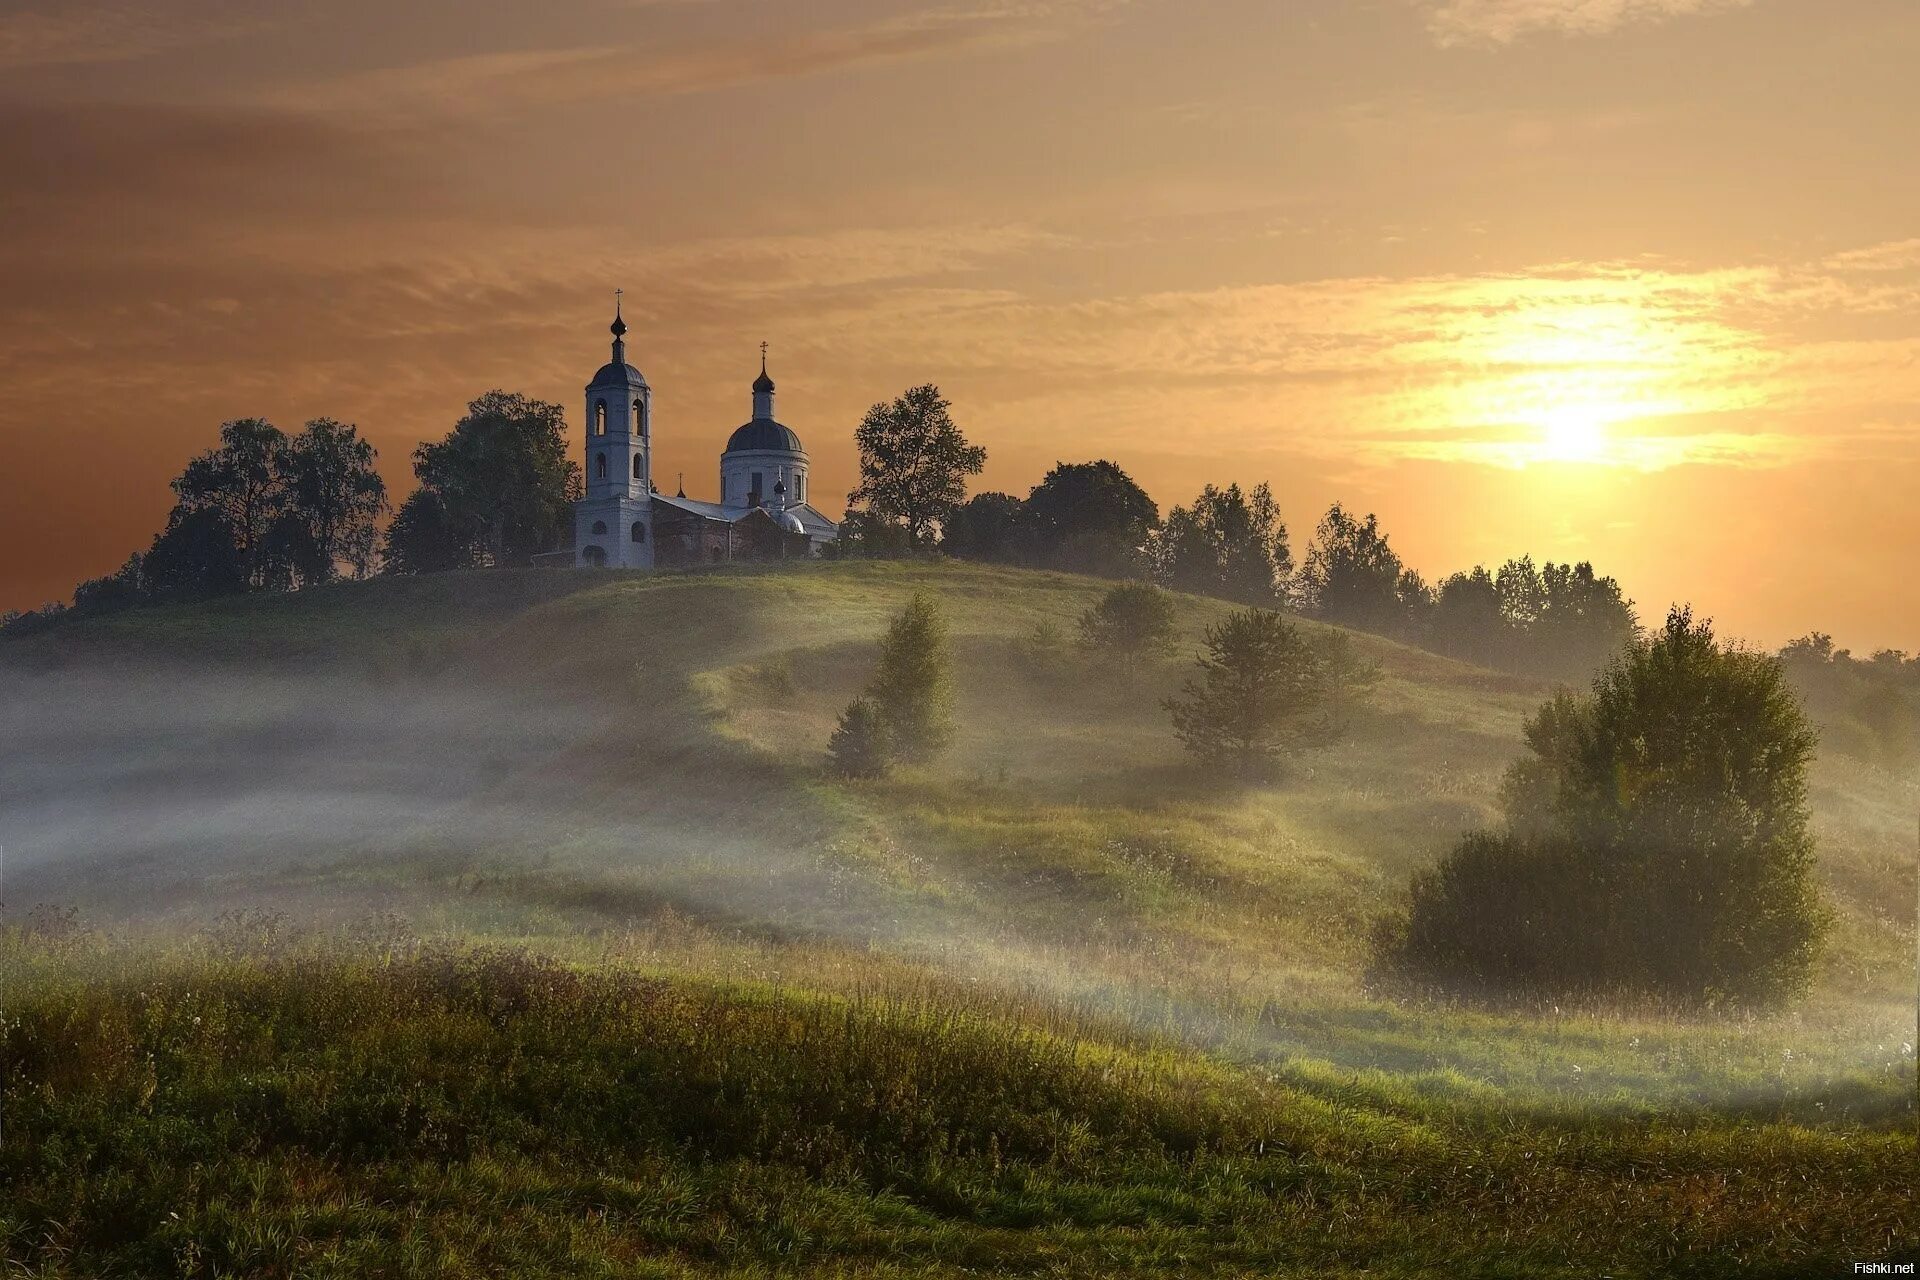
(763, 382)
(764, 433)
(617, 375)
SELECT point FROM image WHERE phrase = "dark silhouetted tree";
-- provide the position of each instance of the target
(1227, 544)
(502, 482)
(914, 464)
(1090, 517)
(195, 556)
(422, 538)
(333, 499)
(1352, 576)
(243, 480)
(987, 526)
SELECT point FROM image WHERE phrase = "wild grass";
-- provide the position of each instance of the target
(295, 1108)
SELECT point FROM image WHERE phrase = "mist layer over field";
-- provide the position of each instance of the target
(603, 764)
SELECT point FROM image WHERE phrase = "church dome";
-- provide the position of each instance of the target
(764, 433)
(620, 374)
(763, 382)
(790, 521)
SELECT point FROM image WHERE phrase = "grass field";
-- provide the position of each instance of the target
(510, 924)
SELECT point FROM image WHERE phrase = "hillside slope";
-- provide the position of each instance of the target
(241, 800)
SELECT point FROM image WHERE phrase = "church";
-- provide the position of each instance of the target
(623, 521)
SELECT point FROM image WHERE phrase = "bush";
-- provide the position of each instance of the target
(1657, 843)
(1132, 623)
(859, 745)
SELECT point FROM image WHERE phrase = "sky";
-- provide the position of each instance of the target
(1634, 281)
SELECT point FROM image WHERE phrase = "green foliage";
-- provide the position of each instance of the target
(1131, 624)
(495, 491)
(914, 464)
(912, 688)
(1227, 544)
(1352, 576)
(1259, 694)
(860, 746)
(1658, 842)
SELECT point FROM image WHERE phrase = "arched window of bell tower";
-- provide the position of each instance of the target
(640, 418)
(636, 466)
(600, 466)
(599, 417)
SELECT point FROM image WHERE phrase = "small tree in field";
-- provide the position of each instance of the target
(859, 744)
(1132, 623)
(912, 691)
(1657, 842)
(1258, 693)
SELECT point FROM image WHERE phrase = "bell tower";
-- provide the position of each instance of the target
(613, 523)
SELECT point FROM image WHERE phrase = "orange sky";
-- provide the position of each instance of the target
(1634, 280)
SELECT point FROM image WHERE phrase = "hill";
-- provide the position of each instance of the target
(1151, 976)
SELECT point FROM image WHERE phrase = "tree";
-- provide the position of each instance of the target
(1227, 544)
(1345, 677)
(502, 481)
(243, 480)
(987, 526)
(1468, 622)
(1258, 693)
(422, 538)
(1352, 575)
(859, 746)
(333, 497)
(1090, 517)
(121, 589)
(1130, 623)
(196, 555)
(914, 463)
(1584, 619)
(912, 688)
(1657, 842)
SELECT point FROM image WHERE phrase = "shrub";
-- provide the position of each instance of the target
(859, 744)
(1657, 842)
(1132, 623)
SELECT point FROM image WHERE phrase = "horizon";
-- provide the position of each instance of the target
(1637, 284)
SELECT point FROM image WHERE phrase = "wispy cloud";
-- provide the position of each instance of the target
(1505, 21)
(506, 80)
(74, 32)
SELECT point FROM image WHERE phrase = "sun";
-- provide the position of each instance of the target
(1574, 434)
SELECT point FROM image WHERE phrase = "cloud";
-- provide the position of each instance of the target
(516, 79)
(1458, 22)
(75, 32)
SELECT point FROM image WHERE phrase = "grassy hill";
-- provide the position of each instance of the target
(509, 922)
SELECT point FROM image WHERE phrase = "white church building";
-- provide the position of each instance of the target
(624, 521)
